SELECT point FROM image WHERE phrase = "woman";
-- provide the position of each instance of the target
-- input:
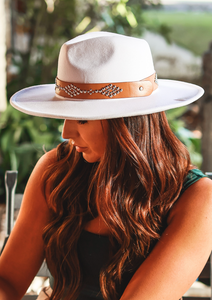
(118, 206)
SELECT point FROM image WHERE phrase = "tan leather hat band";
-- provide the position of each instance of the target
(74, 91)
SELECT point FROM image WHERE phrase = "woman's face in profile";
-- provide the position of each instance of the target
(89, 137)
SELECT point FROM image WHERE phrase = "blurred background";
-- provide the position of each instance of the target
(32, 31)
(180, 36)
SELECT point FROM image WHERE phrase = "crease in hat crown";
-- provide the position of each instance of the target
(104, 58)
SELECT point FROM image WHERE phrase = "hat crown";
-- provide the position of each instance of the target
(104, 57)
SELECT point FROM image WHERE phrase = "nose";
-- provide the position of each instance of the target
(69, 129)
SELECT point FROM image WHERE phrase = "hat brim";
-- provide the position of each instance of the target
(41, 101)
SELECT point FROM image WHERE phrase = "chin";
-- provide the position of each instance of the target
(91, 158)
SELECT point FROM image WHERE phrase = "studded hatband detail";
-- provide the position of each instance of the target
(109, 90)
(93, 91)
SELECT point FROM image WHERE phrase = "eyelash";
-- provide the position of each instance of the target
(82, 122)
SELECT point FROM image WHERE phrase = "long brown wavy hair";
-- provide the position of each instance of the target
(132, 188)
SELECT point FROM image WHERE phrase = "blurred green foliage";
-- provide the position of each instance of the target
(186, 136)
(184, 27)
(25, 138)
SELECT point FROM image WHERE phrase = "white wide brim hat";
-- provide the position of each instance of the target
(104, 75)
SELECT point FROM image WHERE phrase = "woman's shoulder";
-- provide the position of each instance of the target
(54, 155)
(48, 157)
(193, 176)
(45, 161)
(196, 196)
(36, 177)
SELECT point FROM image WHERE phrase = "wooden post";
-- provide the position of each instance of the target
(206, 111)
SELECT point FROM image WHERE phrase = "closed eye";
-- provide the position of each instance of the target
(82, 122)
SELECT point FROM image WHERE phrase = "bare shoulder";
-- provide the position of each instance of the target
(25, 248)
(34, 203)
(181, 252)
(191, 217)
(47, 159)
(34, 188)
(43, 163)
(196, 200)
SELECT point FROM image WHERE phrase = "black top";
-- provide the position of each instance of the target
(93, 253)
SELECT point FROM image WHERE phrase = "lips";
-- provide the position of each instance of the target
(80, 149)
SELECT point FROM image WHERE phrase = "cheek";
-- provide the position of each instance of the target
(102, 146)
(95, 137)
(98, 142)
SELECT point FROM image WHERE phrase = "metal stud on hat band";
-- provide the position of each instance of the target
(74, 91)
